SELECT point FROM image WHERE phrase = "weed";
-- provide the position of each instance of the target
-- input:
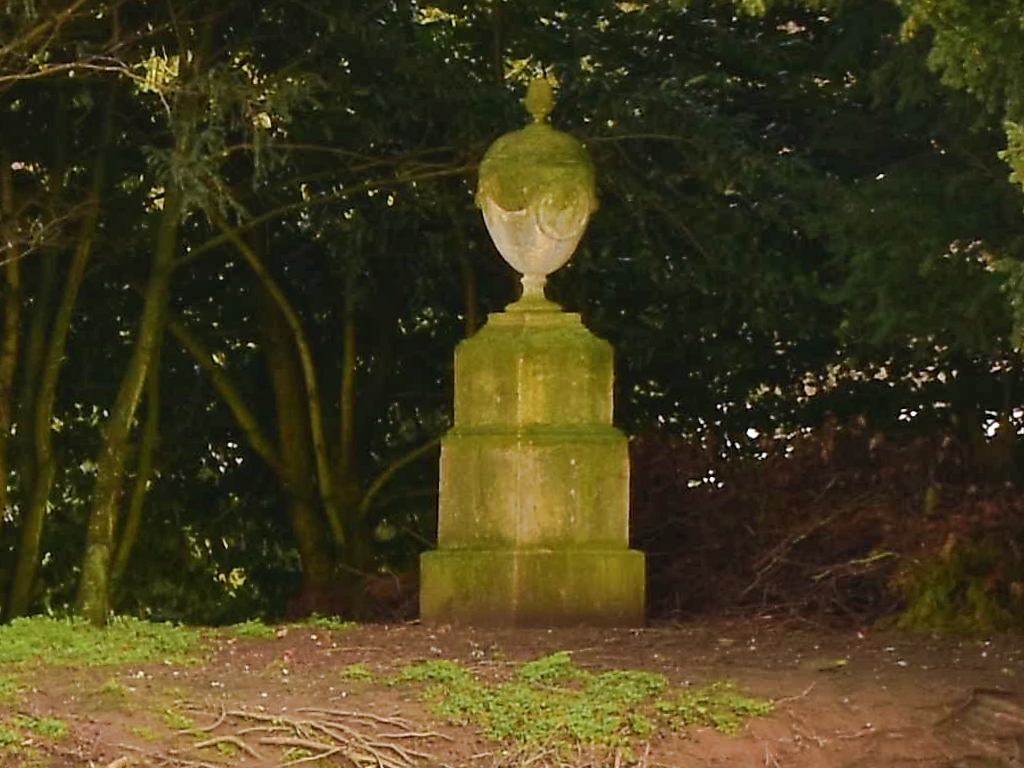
(293, 754)
(114, 689)
(9, 736)
(227, 749)
(549, 669)
(357, 672)
(77, 643)
(250, 629)
(438, 671)
(551, 701)
(718, 705)
(10, 689)
(176, 721)
(326, 622)
(145, 732)
(625, 686)
(44, 726)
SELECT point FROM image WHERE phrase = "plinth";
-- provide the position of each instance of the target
(533, 526)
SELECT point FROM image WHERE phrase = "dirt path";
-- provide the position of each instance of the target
(865, 700)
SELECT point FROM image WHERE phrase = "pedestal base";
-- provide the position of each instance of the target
(533, 587)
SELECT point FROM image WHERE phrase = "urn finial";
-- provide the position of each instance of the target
(537, 191)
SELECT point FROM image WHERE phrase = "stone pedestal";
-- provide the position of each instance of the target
(533, 525)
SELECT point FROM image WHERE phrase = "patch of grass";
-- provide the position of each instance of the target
(357, 672)
(227, 749)
(44, 726)
(10, 689)
(297, 753)
(434, 671)
(14, 735)
(76, 643)
(51, 727)
(177, 721)
(552, 701)
(549, 669)
(258, 630)
(145, 732)
(718, 705)
(326, 622)
(250, 629)
(113, 689)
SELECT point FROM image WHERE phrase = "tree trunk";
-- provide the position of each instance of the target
(143, 472)
(94, 589)
(45, 389)
(347, 397)
(43, 292)
(45, 289)
(10, 297)
(298, 477)
(357, 554)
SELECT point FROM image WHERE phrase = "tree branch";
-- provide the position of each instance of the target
(325, 481)
(390, 471)
(229, 394)
(334, 197)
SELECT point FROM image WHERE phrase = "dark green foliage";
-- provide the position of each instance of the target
(965, 589)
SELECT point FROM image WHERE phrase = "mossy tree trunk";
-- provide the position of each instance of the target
(187, 107)
(41, 381)
(94, 590)
(129, 534)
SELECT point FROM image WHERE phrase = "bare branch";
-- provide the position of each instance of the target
(390, 471)
(334, 197)
(228, 392)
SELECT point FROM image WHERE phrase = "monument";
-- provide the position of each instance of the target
(533, 519)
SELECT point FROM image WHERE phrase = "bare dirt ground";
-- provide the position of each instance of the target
(851, 699)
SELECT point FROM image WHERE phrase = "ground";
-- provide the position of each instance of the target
(862, 699)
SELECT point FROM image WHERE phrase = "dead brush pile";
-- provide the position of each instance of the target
(837, 525)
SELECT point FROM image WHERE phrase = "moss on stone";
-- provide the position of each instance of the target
(533, 368)
(523, 587)
(538, 487)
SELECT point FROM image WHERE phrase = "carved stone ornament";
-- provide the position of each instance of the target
(536, 190)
